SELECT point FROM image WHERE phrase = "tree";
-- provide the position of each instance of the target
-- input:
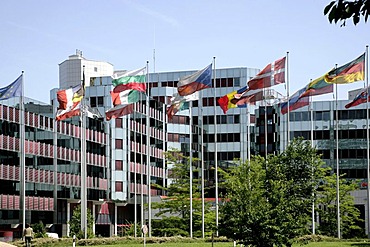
(327, 210)
(341, 10)
(75, 223)
(174, 209)
(269, 201)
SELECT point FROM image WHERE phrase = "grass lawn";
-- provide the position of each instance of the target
(317, 244)
(133, 243)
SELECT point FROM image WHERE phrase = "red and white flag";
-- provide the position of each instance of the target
(69, 102)
(272, 74)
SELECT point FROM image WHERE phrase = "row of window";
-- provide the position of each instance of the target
(325, 115)
(325, 134)
(220, 82)
(344, 153)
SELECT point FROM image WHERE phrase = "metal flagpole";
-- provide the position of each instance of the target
(141, 164)
(148, 152)
(265, 115)
(22, 153)
(135, 171)
(287, 92)
(248, 135)
(202, 164)
(55, 165)
(367, 142)
(83, 164)
(313, 199)
(216, 158)
(337, 159)
(191, 168)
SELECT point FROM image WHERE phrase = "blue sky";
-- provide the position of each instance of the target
(38, 35)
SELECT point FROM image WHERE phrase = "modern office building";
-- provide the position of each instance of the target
(52, 167)
(125, 156)
(136, 142)
(318, 121)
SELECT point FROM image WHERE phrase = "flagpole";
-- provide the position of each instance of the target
(55, 165)
(141, 164)
(22, 153)
(265, 115)
(313, 198)
(337, 154)
(135, 171)
(191, 168)
(148, 153)
(367, 140)
(248, 135)
(202, 164)
(287, 91)
(216, 158)
(83, 166)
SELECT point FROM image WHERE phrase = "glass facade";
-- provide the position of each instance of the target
(52, 169)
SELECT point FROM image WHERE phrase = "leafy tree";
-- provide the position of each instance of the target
(341, 10)
(269, 201)
(39, 230)
(349, 214)
(174, 210)
(75, 223)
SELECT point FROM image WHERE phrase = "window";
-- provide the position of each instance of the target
(119, 165)
(236, 82)
(100, 101)
(119, 186)
(93, 101)
(95, 69)
(119, 123)
(119, 144)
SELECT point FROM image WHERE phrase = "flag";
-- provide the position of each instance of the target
(129, 77)
(125, 97)
(118, 111)
(318, 86)
(70, 96)
(195, 82)
(295, 102)
(348, 73)
(179, 103)
(359, 99)
(240, 98)
(12, 90)
(271, 75)
(69, 102)
(175, 108)
(72, 111)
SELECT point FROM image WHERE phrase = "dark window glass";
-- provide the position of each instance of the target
(93, 102)
(100, 101)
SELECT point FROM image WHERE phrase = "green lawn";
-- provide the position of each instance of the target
(317, 244)
(134, 243)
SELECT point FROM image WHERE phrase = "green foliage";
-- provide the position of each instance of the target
(39, 230)
(268, 201)
(349, 214)
(75, 223)
(341, 10)
(174, 210)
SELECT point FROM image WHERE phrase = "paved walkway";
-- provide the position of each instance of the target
(3, 244)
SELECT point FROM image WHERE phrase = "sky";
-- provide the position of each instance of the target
(36, 36)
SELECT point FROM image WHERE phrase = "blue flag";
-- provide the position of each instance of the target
(12, 90)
